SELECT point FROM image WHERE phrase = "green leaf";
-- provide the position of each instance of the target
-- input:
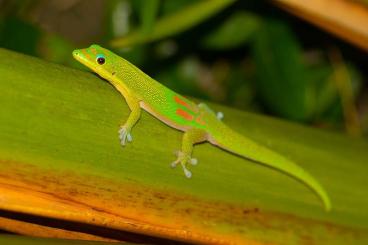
(235, 31)
(172, 24)
(24, 39)
(325, 89)
(282, 79)
(60, 157)
(148, 13)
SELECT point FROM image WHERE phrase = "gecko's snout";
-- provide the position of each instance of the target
(78, 55)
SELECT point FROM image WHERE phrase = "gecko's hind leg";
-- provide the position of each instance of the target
(191, 137)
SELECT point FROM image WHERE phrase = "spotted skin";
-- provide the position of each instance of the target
(198, 122)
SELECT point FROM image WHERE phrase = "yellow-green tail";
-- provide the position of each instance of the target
(229, 140)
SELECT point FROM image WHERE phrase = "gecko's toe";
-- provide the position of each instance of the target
(174, 164)
(124, 136)
(122, 130)
(187, 173)
(220, 115)
(129, 137)
(184, 159)
(193, 161)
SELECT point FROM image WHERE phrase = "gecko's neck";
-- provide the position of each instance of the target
(116, 81)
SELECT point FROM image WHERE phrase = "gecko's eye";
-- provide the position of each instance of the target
(100, 59)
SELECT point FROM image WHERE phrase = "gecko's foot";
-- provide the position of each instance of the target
(184, 160)
(220, 115)
(124, 135)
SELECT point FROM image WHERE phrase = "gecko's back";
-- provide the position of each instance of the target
(166, 105)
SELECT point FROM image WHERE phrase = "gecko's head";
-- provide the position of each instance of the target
(96, 58)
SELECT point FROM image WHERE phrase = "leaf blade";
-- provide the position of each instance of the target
(60, 157)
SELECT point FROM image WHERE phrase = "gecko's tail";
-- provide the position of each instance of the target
(247, 148)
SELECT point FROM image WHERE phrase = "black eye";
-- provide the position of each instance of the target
(101, 60)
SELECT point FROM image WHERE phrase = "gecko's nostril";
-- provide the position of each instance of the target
(75, 53)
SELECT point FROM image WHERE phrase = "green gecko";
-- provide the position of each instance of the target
(198, 122)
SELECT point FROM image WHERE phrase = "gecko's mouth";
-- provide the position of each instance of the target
(77, 54)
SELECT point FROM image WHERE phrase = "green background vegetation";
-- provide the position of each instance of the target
(246, 54)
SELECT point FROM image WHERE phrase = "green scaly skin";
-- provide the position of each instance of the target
(198, 122)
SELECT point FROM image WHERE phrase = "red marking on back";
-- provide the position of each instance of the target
(184, 114)
(181, 102)
(200, 121)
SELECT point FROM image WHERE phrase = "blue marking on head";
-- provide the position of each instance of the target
(100, 56)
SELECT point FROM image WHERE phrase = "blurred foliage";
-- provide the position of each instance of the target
(170, 24)
(248, 55)
(228, 34)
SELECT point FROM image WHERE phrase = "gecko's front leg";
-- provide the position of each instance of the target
(135, 114)
(190, 137)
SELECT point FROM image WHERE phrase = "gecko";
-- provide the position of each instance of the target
(198, 122)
